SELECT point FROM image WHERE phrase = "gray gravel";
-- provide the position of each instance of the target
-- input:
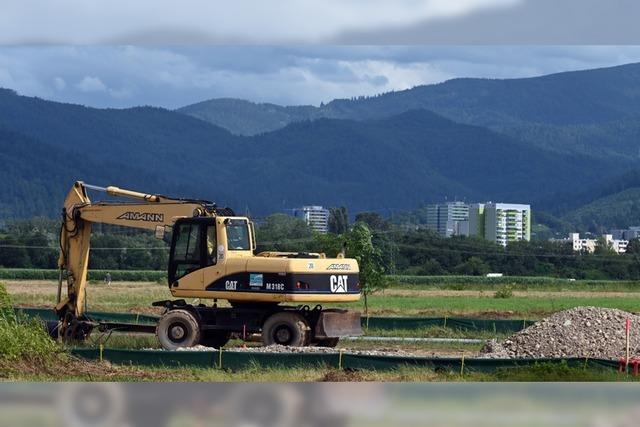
(284, 349)
(324, 350)
(593, 332)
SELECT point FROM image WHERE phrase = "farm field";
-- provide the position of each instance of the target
(395, 301)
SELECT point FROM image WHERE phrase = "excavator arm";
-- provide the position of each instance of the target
(145, 211)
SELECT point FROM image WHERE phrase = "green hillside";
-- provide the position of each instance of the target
(619, 210)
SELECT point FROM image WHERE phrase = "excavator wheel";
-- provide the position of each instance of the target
(286, 328)
(178, 328)
(215, 339)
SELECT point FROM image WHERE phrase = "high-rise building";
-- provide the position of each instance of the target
(316, 217)
(448, 219)
(626, 234)
(500, 222)
(476, 219)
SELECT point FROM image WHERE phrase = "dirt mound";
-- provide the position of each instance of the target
(597, 333)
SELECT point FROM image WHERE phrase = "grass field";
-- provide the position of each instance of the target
(533, 304)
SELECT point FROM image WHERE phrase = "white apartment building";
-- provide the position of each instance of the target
(589, 245)
(500, 222)
(316, 217)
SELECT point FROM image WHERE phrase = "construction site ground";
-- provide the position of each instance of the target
(395, 301)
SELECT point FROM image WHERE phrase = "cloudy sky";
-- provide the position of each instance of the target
(123, 76)
(124, 53)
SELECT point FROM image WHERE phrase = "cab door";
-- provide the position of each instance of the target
(193, 248)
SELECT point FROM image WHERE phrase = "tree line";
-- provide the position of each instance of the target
(395, 248)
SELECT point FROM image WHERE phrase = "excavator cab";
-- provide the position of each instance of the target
(193, 246)
(201, 242)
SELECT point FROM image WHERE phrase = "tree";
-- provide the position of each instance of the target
(603, 247)
(474, 266)
(431, 268)
(374, 221)
(633, 247)
(338, 220)
(360, 247)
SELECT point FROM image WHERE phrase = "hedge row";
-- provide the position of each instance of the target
(95, 275)
(519, 281)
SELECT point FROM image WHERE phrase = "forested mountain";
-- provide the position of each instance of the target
(247, 118)
(615, 211)
(593, 112)
(396, 162)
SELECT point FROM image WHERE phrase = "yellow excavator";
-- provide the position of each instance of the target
(212, 257)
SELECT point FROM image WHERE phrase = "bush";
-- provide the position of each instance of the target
(22, 338)
(504, 292)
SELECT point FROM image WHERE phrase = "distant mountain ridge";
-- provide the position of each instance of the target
(570, 112)
(397, 162)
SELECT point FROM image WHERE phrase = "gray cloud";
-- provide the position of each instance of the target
(123, 76)
(539, 22)
(203, 22)
(207, 21)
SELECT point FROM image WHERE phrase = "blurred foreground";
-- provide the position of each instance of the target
(346, 404)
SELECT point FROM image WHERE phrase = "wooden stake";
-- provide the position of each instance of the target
(628, 333)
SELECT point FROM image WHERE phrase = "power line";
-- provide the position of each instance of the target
(91, 248)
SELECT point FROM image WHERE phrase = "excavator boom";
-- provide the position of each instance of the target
(149, 211)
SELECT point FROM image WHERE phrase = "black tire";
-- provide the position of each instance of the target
(215, 339)
(286, 328)
(328, 342)
(178, 328)
(92, 405)
(272, 405)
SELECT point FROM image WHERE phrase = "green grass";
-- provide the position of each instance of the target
(434, 332)
(516, 283)
(24, 341)
(132, 296)
(515, 307)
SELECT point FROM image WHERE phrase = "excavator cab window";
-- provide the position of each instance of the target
(193, 246)
(237, 234)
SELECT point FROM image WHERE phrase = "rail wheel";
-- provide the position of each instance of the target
(178, 328)
(286, 328)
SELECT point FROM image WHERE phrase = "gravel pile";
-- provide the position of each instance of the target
(592, 332)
